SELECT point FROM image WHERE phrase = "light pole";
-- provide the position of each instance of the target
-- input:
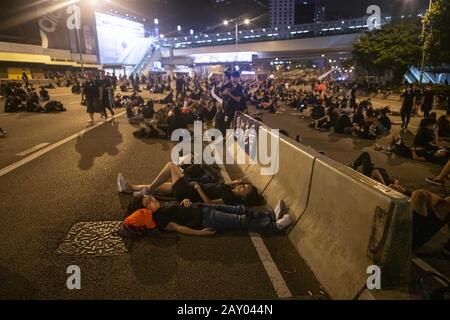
(237, 23)
(423, 47)
(80, 50)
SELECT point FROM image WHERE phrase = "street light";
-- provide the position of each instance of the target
(237, 23)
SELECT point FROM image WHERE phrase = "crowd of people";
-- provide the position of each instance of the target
(199, 207)
(24, 98)
(196, 208)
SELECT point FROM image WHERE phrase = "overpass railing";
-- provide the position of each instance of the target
(269, 34)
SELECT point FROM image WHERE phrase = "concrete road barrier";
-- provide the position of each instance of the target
(352, 222)
(293, 179)
(346, 222)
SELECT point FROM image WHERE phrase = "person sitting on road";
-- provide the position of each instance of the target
(430, 214)
(443, 124)
(343, 124)
(368, 128)
(377, 174)
(205, 220)
(384, 122)
(439, 180)
(427, 135)
(32, 103)
(152, 131)
(358, 117)
(44, 94)
(328, 121)
(171, 180)
(167, 99)
(398, 147)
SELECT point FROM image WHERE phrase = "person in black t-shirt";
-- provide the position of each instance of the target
(106, 100)
(427, 135)
(407, 106)
(233, 99)
(444, 125)
(91, 94)
(237, 192)
(179, 84)
(430, 214)
(428, 98)
(205, 220)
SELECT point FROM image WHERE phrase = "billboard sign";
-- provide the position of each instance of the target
(121, 41)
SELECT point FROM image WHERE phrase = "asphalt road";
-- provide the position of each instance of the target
(76, 182)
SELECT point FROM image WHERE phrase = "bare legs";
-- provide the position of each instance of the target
(445, 173)
(171, 172)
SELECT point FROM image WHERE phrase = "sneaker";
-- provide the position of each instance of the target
(446, 249)
(122, 185)
(141, 193)
(284, 222)
(435, 182)
(280, 210)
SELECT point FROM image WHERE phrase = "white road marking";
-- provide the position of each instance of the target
(33, 149)
(274, 274)
(270, 266)
(49, 148)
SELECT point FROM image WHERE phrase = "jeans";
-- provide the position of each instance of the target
(225, 218)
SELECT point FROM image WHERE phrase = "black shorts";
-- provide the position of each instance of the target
(93, 105)
(424, 228)
(183, 189)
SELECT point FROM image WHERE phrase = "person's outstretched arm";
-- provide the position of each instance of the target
(173, 227)
(205, 197)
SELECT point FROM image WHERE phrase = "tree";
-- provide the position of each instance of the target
(437, 35)
(394, 48)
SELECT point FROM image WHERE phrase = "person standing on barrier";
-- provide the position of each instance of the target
(233, 99)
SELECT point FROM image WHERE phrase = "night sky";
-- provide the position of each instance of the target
(202, 15)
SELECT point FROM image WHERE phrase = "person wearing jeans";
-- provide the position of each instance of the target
(205, 220)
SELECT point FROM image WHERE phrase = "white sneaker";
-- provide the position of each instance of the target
(284, 222)
(280, 209)
(122, 185)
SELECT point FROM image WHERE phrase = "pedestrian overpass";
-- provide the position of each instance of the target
(306, 40)
(267, 50)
